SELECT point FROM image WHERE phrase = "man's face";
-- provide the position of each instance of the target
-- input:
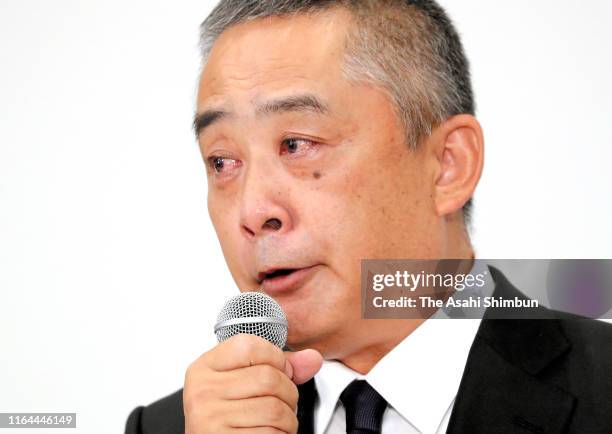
(308, 173)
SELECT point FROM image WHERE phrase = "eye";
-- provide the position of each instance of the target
(222, 164)
(296, 146)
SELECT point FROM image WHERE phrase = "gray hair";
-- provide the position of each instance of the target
(409, 48)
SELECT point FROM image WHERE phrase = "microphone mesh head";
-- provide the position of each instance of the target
(252, 313)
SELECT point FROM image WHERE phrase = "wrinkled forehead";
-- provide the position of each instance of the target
(275, 52)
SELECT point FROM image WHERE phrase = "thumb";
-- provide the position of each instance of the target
(303, 365)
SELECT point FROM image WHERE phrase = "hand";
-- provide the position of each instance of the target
(246, 385)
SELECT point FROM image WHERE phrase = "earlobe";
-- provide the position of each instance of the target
(461, 161)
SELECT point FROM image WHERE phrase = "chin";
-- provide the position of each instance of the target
(296, 341)
(302, 333)
(313, 332)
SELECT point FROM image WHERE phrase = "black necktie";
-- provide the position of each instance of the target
(364, 408)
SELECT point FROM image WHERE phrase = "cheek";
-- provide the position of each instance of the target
(339, 224)
(376, 208)
(223, 205)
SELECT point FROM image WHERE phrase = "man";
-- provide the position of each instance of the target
(335, 131)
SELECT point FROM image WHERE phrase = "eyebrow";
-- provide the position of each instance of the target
(206, 119)
(297, 103)
(305, 102)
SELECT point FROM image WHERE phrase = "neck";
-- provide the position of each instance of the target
(364, 359)
(389, 333)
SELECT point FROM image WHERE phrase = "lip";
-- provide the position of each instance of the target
(288, 282)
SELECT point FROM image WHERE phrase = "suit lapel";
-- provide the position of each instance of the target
(498, 397)
(501, 390)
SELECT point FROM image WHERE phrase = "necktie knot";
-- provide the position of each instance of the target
(364, 408)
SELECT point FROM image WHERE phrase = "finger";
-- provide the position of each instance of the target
(259, 380)
(243, 350)
(305, 364)
(261, 411)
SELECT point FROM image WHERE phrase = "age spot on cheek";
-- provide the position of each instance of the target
(316, 175)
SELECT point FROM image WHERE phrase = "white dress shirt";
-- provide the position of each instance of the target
(419, 379)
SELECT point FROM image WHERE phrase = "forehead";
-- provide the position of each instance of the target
(274, 53)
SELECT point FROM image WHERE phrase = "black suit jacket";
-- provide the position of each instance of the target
(521, 376)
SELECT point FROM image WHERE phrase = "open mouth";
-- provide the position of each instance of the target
(276, 273)
(284, 280)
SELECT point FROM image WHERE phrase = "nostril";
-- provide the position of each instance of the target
(274, 224)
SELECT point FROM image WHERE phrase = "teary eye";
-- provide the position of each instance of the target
(221, 164)
(294, 146)
(218, 164)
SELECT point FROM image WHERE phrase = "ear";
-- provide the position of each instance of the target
(460, 154)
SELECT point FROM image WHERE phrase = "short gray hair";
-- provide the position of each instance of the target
(409, 48)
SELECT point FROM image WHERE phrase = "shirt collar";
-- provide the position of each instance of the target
(419, 377)
(330, 381)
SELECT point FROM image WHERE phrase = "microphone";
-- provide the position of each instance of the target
(252, 313)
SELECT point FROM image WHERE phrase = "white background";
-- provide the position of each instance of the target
(110, 272)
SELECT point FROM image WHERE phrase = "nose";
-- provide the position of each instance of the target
(264, 208)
